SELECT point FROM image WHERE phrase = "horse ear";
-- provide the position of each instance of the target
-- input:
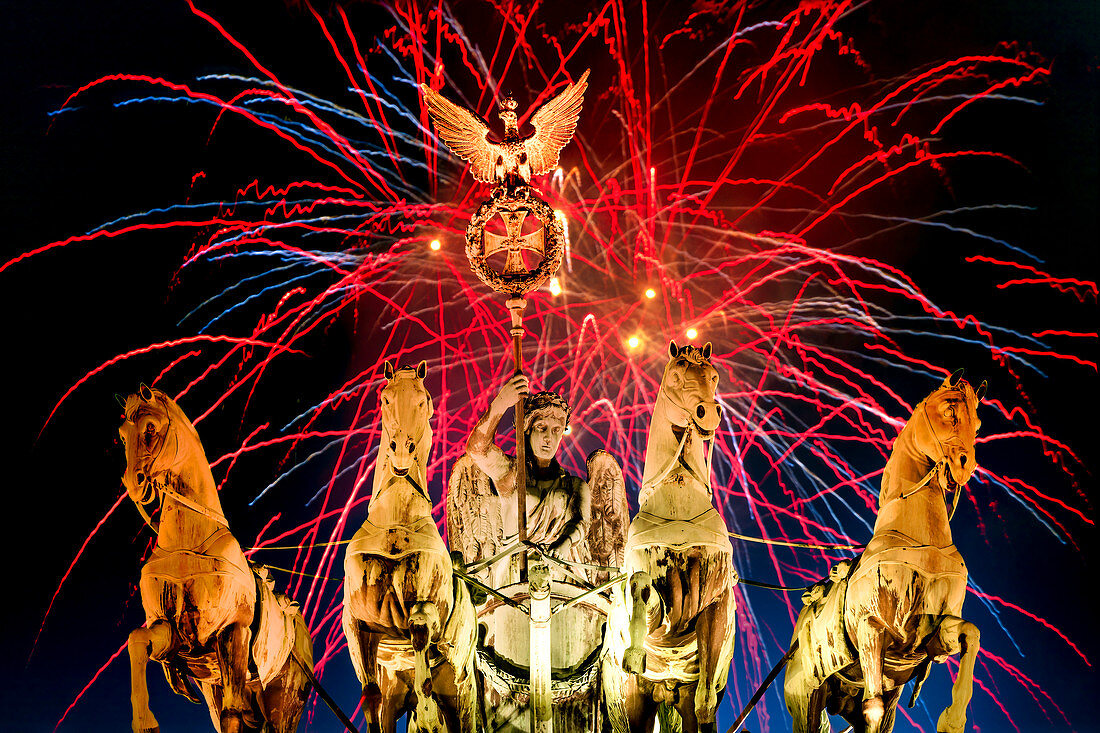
(954, 378)
(673, 349)
(120, 400)
(422, 369)
(387, 369)
(980, 392)
(707, 348)
(145, 392)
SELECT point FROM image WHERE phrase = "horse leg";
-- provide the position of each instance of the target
(366, 644)
(641, 710)
(143, 644)
(806, 705)
(958, 635)
(643, 598)
(285, 697)
(869, 644)
(711, 629)
(890, 708)
(424, 627)
(393, 695)
(232, 647)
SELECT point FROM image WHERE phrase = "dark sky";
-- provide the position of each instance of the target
(68, 311)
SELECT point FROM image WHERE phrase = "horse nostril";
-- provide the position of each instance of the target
(962, 461)
(412, 446)
(140, 478)
(701, 411)
(393, 446)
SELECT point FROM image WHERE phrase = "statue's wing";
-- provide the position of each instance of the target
(554, 123)
(610, 513)
(473, 512)
(463, 132)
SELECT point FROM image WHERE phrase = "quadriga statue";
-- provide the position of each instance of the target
(408, 620)
(880, 622)
(212, 619)
(679, 605)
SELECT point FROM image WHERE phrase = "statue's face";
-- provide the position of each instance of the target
(545, 436)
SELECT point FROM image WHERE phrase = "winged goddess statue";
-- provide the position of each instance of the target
(515, 158)
(579, 520)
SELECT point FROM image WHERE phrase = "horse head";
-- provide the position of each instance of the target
(688, 387)
(685, 407)
(406, 430)
(158, 439)
(944, 428)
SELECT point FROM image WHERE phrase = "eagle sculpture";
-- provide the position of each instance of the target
(514, 159)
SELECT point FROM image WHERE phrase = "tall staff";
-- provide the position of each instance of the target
(509, 164)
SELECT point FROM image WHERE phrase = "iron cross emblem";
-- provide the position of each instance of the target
(514, 242)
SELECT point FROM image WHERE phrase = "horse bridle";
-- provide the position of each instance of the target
(164, 490)
(938, 465)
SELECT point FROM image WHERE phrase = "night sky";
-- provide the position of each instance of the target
(71, 309)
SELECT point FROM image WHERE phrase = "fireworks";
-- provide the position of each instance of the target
(740, 176)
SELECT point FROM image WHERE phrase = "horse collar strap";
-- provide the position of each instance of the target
(195, 506)
(927, 480)
(923, 482)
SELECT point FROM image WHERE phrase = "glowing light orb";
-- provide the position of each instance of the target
(651, 293)
(435, 245)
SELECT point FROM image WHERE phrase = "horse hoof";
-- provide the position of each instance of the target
(231, 721)
(873, 712)
(634, 660)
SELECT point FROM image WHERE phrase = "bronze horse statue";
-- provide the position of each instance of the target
(212, 618)
(679, 561)
(409, 622)
(880, 622)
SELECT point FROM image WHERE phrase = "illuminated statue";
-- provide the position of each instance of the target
(512, 161)
(410, 626)
(559, 505)
(881, 622)
(679, 604)
(579, 523)
(213, 620)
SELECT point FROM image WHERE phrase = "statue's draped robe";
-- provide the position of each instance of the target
(553, 505)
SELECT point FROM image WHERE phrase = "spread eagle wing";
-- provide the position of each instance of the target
(463, 132)
(474, 526)
(610, 513)
(554, 123)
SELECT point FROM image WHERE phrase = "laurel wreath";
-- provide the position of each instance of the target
(515, 285)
